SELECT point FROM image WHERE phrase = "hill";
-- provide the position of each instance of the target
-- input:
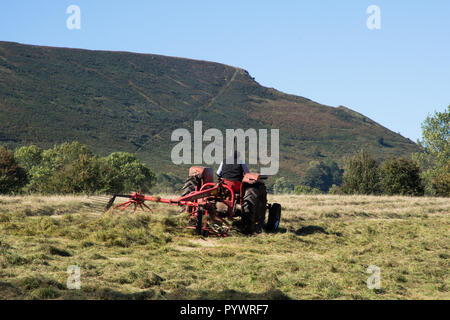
(132, 102)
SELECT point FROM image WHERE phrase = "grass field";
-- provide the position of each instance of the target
(322, 251)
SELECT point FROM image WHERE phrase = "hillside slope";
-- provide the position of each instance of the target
(132, 102)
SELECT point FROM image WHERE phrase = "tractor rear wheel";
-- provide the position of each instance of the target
(254, 208)
(191, 184)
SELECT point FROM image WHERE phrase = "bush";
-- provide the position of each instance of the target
(306, 190)
(401, 176)
(360, 175)
(12, 177)
(335, 190)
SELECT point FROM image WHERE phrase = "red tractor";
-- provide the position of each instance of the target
(214, 207)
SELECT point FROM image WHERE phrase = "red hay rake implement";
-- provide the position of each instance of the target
(212, 207)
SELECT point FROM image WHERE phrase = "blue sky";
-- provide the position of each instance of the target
(320, 49)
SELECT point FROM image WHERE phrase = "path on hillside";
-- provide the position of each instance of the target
(141, 93)
(223, 89)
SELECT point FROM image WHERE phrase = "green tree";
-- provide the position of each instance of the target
(28, 156)
(39, 178)
(400, 176)
(84, 175)
(12, 177)
(132, 175)
(64, 154)
(360, 174)
(441, 181)
(336, 172)
(322, 175)
(436, 136)
(434, 159)
(53, 162)
(282, 185)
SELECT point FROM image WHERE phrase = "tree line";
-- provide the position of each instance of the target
(70, 168)
(73, 168)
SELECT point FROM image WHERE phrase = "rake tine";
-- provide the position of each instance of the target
(150, 209)
(110, 202)
(126, 205)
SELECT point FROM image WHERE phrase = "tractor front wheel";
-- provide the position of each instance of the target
(199, 224)
(274, 218)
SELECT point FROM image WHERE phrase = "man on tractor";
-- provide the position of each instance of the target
(232, 172)
(250, 194)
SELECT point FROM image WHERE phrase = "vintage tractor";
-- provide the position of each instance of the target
(213, 207)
